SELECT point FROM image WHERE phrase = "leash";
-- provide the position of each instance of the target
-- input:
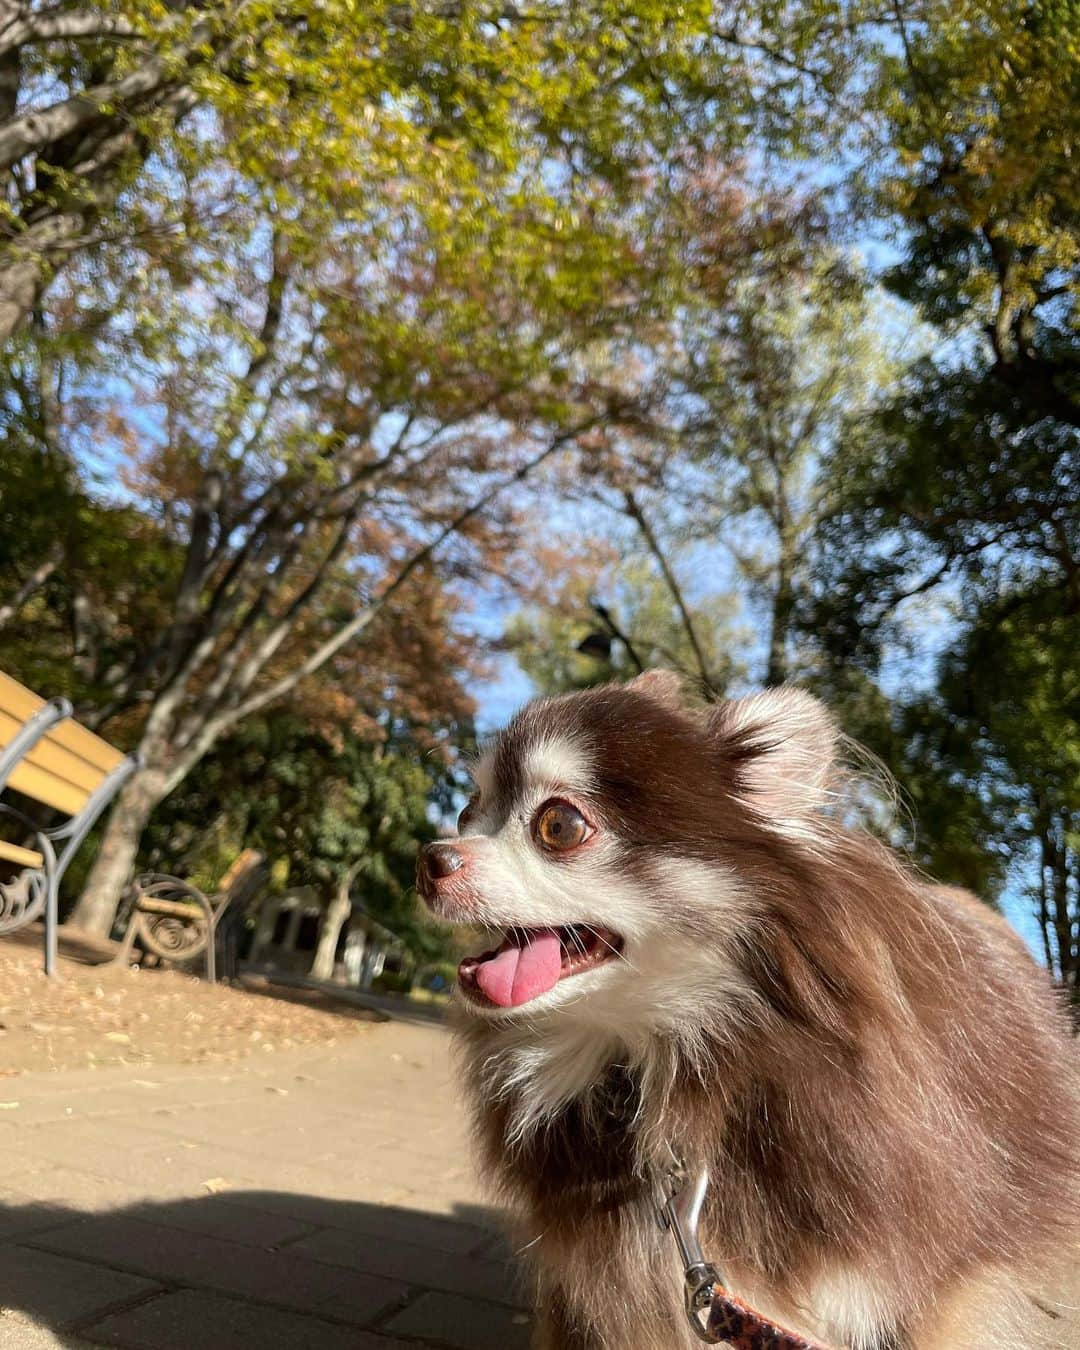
(715, 1315)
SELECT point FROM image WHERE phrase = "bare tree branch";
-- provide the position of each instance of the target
(637, 515)
(33, 583)
(73, 24)
(618, 633)
(234, 675)
(39, 128)
(363, 618)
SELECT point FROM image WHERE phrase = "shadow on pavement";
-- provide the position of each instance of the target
(299, 989)
(84, 950)
(261, 1269)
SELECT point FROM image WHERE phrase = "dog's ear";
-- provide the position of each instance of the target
(662, 686)
(783, 744)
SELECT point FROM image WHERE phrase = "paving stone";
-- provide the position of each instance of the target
(424, 1229)
(172, 1167)
(81, 1141)
(452, 1199)
(34, 1112)
(353, 1219)
(410, 1264)
(196, 1320)
(195, 1259)
(137, 1103)
(57, 1290)
(350, 1199)
(21, 1213)
(494, 1247)
(210, 1216)
(247, 1173)
(217, 1124)
(464, 1323)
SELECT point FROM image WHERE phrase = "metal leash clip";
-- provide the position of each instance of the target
(681, 1212)
(716, 1315)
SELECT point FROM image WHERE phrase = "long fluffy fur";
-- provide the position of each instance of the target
(876, 1073)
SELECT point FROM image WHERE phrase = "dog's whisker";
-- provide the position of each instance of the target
(575, 937)
(617, 952)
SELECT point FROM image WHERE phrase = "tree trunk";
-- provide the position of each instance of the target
(782, 611)
(1069, 917)
(95, 909)
(322, 968)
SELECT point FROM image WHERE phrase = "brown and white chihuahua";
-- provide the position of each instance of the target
(696, 956)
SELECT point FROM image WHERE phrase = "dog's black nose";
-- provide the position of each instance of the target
(440, 860)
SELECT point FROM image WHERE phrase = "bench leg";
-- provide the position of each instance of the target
(52, 906)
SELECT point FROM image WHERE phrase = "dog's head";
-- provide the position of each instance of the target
(615, 832)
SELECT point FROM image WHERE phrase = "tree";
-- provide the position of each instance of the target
(306, 445)
(352, 287)
(322, 442)
(968, 504)
(976, 475)
(288, 557)
(73, 566)
(1002, 730)
(769, 387)
(87, 96)
(979, 105)
(96, 97)
(977, 471)
(964, 500)
(764, 376)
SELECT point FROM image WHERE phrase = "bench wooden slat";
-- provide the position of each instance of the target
(46, 787)
(177, 909)
(25, 857)
(86, 745)
(53, 758)
(21, 704)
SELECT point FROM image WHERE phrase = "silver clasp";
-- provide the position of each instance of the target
(681, 1212)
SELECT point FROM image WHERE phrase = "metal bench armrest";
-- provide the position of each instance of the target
(33, 730)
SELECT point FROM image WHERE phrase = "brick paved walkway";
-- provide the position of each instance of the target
(295, 1201)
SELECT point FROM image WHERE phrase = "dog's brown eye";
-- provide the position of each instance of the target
(467, 812)
(560, 826)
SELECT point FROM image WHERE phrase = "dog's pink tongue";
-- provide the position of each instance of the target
(519, 974)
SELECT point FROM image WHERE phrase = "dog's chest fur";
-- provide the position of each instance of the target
(584, 1179)
(804, 1213)
(586, 1210)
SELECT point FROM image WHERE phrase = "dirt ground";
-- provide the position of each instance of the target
(91, 1016)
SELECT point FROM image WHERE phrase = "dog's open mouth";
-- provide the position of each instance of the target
(530, 961)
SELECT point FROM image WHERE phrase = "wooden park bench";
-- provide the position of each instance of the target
(47, 757)
(51, 760)
(173, 920)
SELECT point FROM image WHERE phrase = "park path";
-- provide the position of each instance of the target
(313, 1199)
(310, 1199)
